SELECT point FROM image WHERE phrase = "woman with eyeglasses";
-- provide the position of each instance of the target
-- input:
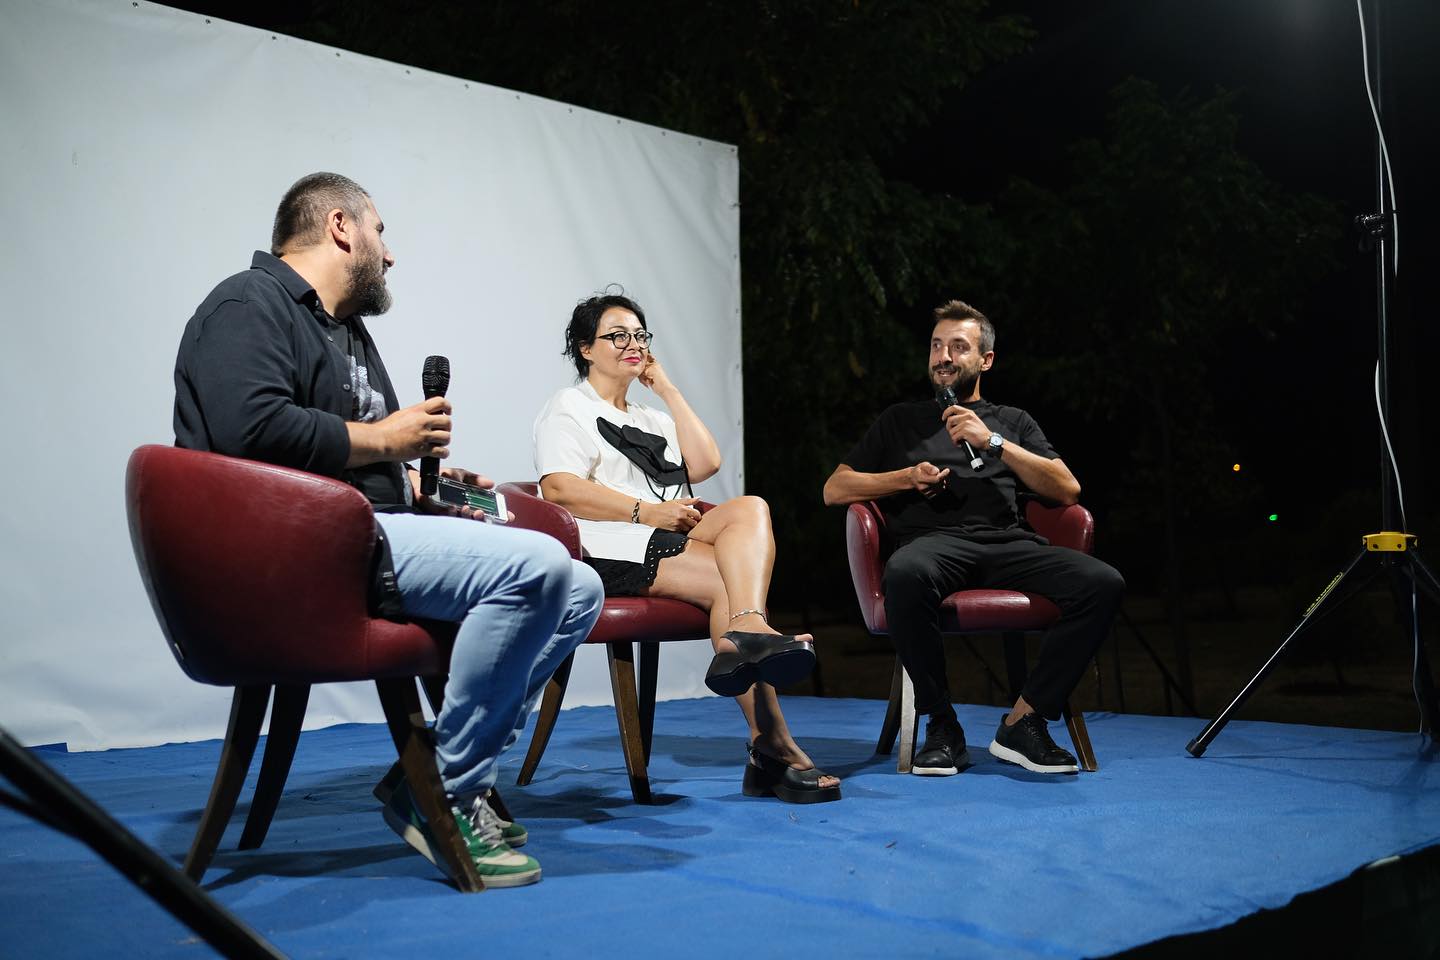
(625, 470)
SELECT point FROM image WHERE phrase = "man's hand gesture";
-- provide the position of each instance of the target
(926, 479)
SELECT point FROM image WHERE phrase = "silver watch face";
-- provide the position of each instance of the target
(996, 441)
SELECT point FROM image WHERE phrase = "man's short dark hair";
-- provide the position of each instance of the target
(960, 310)
(300, 219)
(585, 321)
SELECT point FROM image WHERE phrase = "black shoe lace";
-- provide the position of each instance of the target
(1039, 729)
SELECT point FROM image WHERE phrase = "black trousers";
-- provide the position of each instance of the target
(931, 567)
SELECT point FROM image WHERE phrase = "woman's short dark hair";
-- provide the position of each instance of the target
(585, 321)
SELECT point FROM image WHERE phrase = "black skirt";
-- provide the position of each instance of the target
(626, 578)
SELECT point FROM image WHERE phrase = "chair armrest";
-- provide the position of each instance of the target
(862, 543)
(533, 513)
(1070, 526)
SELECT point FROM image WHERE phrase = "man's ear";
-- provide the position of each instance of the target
(988, 362)
(340, 227)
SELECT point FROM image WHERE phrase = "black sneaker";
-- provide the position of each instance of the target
(1028, 744)
(943, 753)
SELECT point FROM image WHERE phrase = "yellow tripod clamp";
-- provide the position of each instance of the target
(1390, 541)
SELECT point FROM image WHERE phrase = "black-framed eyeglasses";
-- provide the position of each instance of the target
(620, 339)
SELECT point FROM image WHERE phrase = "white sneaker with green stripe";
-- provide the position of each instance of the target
(482, 830)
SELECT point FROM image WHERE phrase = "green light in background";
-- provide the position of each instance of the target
(1273, 517)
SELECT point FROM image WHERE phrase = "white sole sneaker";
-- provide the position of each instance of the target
(961, 762)
(1020, 760)
(416, 836)
(934, 771)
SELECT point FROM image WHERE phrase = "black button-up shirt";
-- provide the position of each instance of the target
(262, 374)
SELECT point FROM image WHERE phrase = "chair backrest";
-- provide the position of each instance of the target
(1071, 526)
(1068, 526)
(864, 535)
(254, 571)
(522, 498)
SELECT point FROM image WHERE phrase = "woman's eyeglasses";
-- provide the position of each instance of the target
(621, 338)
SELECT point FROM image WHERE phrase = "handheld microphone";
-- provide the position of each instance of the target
(435, 380)
(946, 399)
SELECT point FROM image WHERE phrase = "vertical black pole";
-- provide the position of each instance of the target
(1382, 279)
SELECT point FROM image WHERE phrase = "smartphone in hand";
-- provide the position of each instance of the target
(456, 494)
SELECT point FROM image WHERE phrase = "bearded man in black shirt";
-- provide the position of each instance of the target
(277, 365)
(956, 528)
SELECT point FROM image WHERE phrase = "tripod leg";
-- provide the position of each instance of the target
(154, 874)
(1424, 576)
(1422, 679)
(1196, 747)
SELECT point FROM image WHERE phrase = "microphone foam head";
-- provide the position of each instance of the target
(436, 378)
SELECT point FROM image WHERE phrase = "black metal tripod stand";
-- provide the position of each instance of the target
(1395, 553)
(1390, 551)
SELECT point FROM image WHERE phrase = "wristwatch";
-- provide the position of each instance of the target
(996, 442)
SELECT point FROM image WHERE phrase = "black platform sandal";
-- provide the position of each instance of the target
(767, 776)
(776, 659)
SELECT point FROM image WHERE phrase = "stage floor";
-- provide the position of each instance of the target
(993, 862)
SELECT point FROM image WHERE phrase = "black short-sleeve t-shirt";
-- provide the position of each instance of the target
(981, 503)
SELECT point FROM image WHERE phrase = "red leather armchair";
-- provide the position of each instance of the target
(1006, 612)
(624, 622)
(258, 576)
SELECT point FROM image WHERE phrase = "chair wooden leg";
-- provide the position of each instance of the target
(285, 718)
(622, 683)
(247, 712)
(416, 746)
(891, 726)
(909, 723)
(1015, 668)
(434, 688)
(388, 783)
(1080, 737)
(649, 678)
(497, 803)
(545, 722)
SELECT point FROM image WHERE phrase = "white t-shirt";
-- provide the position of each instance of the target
(567, 441)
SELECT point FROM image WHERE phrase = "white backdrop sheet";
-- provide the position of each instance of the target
(143, 152)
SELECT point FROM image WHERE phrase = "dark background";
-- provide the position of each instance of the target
(1152, 200)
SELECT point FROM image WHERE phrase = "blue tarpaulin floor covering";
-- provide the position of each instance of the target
(993, 862)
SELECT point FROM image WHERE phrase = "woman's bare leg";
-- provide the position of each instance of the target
(739, 531)
(694, 576)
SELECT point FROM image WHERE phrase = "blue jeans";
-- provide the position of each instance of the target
(523, 606)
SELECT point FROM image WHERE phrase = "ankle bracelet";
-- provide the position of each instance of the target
(758, 613)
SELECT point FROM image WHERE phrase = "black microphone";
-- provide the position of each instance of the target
(948, 399)
(434, 381)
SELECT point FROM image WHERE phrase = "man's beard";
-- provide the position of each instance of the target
(963, 384)
(367, 280)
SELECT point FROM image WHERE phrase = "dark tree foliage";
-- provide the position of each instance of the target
(1124, 292)
(835, 253)
(1136, 287)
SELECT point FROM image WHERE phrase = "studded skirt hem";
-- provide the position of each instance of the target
(625, 578)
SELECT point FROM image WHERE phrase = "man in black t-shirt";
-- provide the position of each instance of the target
(957, 528)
